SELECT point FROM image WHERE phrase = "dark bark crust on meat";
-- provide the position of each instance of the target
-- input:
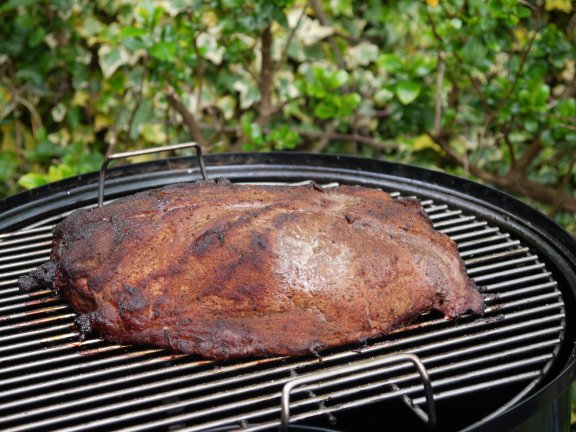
(226, 270)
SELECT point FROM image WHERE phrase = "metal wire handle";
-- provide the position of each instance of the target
(110, 157)
(428, 417)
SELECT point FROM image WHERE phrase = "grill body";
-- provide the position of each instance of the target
(517, 252)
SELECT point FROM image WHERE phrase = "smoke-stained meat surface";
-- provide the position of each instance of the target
(225, 270)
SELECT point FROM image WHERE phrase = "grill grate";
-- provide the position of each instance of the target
(50, 379)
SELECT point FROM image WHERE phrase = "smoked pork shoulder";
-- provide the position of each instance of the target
(225, 270)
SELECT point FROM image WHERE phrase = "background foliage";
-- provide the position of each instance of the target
(484, 89)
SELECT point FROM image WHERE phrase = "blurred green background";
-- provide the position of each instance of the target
(484, 89)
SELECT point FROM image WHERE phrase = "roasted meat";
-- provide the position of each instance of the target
(225, 270)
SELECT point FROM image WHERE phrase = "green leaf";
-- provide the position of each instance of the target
(280, 17)
(389, 62)
(59, 172)
(13, 4)
(37, 36)
(474, 52)
(566, 108)
(422, 66)
(407, 91)
(531, 125)
(361, 55)
(561, 5)
(130, 32)
(338, 79)
(154, 133)
(8, 164)
(282, 138)
(142, 114)
(325, 110)
(164, 51)
(352, 101)
(32, 180)
(111, 58)
(253, 133)
(249, 93)
(523, 12)
(383, 95)
(537, 96)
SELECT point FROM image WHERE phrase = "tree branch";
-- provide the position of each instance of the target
(187, 117)
(474, 83)
(139, 97)
(36, 120)
(324, 138)
(523, 58)
(265, 81)
(528, 156)
(362, 139)
(199, 76)
(514, 182)
(438, 101)
(316, 6)
(510, 146)
(562, 186)
(320, 134)
(289, 41)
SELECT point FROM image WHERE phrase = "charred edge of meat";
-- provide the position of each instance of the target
(39, 278)
(84, 326)
(317, 187)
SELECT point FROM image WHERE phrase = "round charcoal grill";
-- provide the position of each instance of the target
(510, 369)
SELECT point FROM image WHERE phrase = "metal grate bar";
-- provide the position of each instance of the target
(481, 386)
(55, 360)
(510, 272)
(19, 297)
(456, 221)
(21, 263)
(518, 281)
(31, 312)
(35, 302)
(444, 332)
(500, 264)
(37, 332)
(47, 351)
(488, 239)
(39, 343)
(491, 257)
(17, 272)
(111, 396)
(476, 233)
(531, 300)
(18, 241)
(430, 207)
(444, 215)
(527, 291)
(62, 382)
(32, 323)
(26, 232)
(310, 401)
(457, 379)
(363, 402)
(465, 227)
(24, 247)
(506, 245)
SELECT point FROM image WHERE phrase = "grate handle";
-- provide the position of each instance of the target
(428, 416)
(110, 157)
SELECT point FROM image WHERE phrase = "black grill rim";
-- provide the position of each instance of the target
(554, 245)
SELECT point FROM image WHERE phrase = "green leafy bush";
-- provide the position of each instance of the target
(484, 89)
